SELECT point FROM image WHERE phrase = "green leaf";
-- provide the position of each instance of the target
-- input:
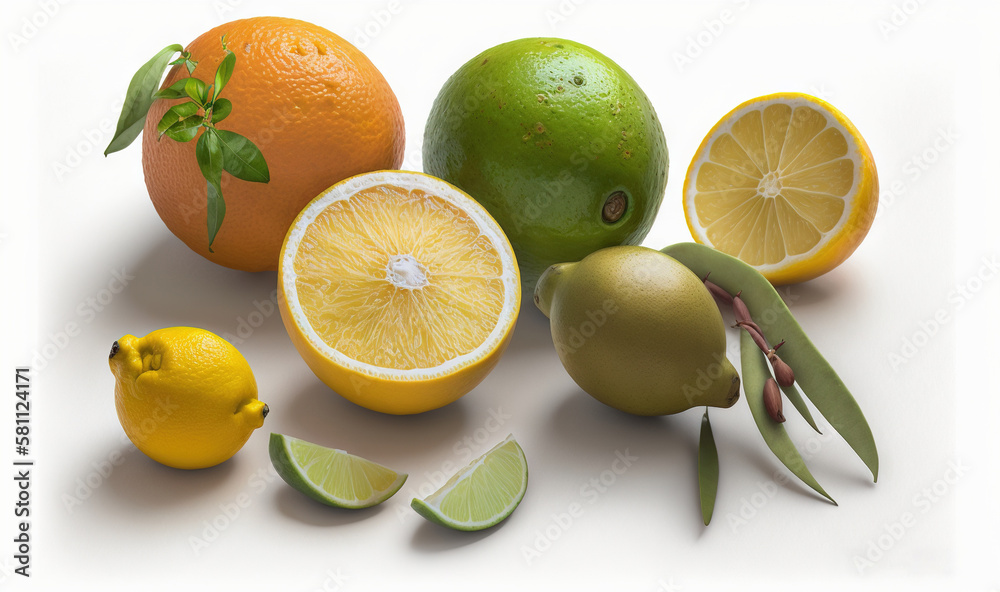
(221, 109)
(175, 114)
(186, 129)
(139, 97)
(195, 89)
(174, 91)
(190, 65)
(708, 469)
(755, 372)
(208, 152)
(216, 211)
(815, 376)
(242, 159)
(795, 397)
(224, 72)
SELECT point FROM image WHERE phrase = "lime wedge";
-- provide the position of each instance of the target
(482, 494)
(332, 476)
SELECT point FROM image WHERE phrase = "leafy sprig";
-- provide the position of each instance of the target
(217, 150)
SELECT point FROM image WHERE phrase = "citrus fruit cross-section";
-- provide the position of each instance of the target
(784, 182)
(399, 290)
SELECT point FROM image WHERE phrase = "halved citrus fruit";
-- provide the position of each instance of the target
(482, 494)
(784, 182)
(399, 290)
(331, 476)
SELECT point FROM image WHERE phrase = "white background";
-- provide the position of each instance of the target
(904, 72)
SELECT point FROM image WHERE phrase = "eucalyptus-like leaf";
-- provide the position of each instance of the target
(795, 397)
(190, 65)
(242, 159)
(755, 373)
(186, 129)
(818, 380)
(175, 114)
(221, 109)
(195, 89)
(174, 91)
(139, 97)
(708, 469)
(224, 72)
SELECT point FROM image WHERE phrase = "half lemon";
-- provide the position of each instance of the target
(784, 182)
(399, 290)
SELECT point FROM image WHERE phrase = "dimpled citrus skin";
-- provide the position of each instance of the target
(638, 331)
(541, 131)
(185, 397)
(317, 108)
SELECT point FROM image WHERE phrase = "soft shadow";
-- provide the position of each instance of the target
(532, 331)
(173, 285)
(147, 485)
(318, 414)
(302, 508)
(434, 538)
(767, 464)
(583, 426)
(828, 287)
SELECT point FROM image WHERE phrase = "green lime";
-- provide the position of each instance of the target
(331, 476)
(482, 494)
(557, 142)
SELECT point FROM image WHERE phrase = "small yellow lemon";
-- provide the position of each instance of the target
(186, 397)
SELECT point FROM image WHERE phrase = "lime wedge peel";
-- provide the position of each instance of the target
(331, 476)
(482, 494)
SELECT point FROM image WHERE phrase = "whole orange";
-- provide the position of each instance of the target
(317, 108)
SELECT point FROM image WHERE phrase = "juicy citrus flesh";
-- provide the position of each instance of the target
(317, 108)
(184, 396)
(428, 289)
(542, 132)
(481, 494)
(399, 277)
(786, 184)
(333, 476)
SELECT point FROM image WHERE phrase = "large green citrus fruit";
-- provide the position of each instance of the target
(557, 142)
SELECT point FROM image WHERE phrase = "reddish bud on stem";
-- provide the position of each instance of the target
(772, 400)
(782, 371)
(718, 291)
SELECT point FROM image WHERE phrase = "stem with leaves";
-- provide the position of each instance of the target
(217, 150)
